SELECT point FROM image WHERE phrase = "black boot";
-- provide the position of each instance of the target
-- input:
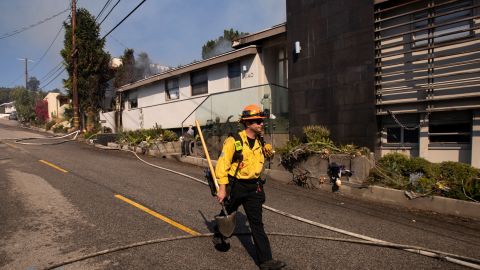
(272, 265)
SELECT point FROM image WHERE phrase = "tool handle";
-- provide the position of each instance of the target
(224, 209)
(210, 166)
(211, 183)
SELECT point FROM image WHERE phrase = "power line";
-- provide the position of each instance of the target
(43, 55)
(118, 41)
(52, 71)
(45, 85)
(18, 31)
(128, 15)
(51, 44)
(101, 11)
(109, 12)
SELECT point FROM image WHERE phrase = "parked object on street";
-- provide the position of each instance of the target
(13, 116)
(335, 172)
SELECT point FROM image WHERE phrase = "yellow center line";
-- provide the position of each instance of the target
(53, 166)
(157, 215)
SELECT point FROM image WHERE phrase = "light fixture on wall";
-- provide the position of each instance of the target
(244, 68)
(297, 47)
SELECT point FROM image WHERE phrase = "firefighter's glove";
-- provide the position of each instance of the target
(268, 150)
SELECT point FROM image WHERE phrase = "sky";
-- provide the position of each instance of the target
(171, 32)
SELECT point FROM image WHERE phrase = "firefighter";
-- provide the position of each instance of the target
(239, 166)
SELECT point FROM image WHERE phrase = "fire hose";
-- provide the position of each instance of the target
(450, 257)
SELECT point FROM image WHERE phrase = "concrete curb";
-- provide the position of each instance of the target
(395, 197)
(372, 193)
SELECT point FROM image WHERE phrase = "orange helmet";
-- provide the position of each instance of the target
(251, 112)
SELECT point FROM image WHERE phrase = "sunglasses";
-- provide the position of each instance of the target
(257, 121)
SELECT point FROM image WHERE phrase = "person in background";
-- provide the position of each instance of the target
(186, 141)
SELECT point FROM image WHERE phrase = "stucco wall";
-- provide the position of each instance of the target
(458, 154)
(108, 120)
(218, 79)
(9, 109)
(251, 76)
(151, 94)
(54, 106)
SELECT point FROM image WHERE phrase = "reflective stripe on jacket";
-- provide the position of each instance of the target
(251, 166)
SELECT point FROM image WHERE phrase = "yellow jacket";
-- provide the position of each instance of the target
(251, 165)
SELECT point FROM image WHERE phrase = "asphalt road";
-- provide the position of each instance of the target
(68, 200)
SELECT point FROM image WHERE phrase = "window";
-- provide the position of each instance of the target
(450, 127)
(199, 82)
(132, 100)
(234, 72)
(282, 68)
(171, 89)
(450, 133)
(441, 33)
(402, 128)
(402, 135)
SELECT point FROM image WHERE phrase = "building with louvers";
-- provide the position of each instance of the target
(396, 76)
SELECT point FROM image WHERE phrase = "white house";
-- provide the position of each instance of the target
(56, 105)
(215, 89)
(7, 107)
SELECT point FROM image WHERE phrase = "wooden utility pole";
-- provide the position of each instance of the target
(26, 73)
(26, 70)
(76, 124)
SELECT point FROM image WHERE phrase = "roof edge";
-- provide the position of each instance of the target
(269, 32)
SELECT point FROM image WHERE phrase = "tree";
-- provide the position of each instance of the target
(93, 64)
(222, 44)
(5, 95)
(125, 74)
(24, 102)
(133, 69)
(33, 84)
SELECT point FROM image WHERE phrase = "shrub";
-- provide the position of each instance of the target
(135, 137)
(396, 163)
(88, 134)
(41, 111)
(155, 132)
(315, 133)
(458, 176)
(294, 142)
(49, 124)
(288, 157)
(421, 165)
(169, 136)
(58, 129)
(68, 113)
(316, 141)
(448, 179)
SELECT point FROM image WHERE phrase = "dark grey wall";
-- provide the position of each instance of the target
(331, 81)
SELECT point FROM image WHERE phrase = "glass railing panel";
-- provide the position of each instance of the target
(219, 114)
